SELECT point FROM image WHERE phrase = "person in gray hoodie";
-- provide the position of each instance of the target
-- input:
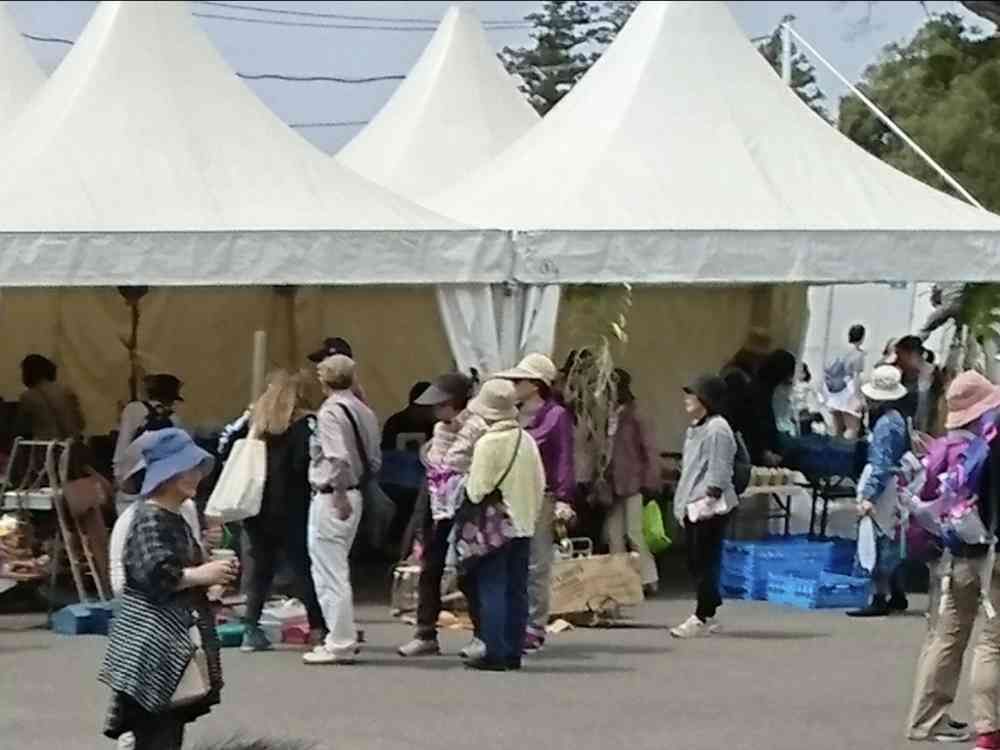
(705, 498)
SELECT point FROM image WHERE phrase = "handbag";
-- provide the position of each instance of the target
(377, 509)
(483, 528)
(653, 529)
(240, 489)
(195, 684)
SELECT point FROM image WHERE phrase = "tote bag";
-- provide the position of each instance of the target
(238, 493)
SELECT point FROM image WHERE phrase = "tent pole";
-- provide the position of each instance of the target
(786, 53)
(887, 122)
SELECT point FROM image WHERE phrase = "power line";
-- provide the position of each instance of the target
(55, 39)
(313, 25)
(341, 124)
(310, 79)
(346, 17)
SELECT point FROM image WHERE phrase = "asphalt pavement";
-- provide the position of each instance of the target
(777, 679)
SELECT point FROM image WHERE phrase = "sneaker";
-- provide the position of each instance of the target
(692, 628)
(945, 733)
(898, 604)
(878, 608)
(484, 665)
(475, 649)
(533, 644)
(420, 647)
(255, 640)
(714, 625)
(317, 637)
(956, 724)
(322, 655)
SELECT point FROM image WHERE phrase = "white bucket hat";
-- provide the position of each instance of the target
(886, 384)
(533, 367)
(496, 401)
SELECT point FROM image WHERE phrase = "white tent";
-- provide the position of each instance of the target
(20, 75)
(144, 160)
(455, 111)
(681, 156)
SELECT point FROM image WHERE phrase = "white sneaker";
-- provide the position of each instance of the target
(714, 625)
(475, 650)
(692, 628)
(323, 655)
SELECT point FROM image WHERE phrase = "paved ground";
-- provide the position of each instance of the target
(779, 679)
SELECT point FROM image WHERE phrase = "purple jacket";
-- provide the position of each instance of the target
(552, 429)
(635, 463)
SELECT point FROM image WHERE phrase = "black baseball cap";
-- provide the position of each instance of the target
(164, 387)
(451, 387)
(332, 346)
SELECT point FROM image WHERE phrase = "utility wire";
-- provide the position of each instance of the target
(340, 124)
(313, 25)
(55, 39)
(345, 17)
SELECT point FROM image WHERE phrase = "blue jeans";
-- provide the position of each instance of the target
(502, 582)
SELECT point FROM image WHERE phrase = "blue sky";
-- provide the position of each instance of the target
(831, 26)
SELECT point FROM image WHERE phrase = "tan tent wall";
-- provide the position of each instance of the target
(396, 333)
(677, 333)
(205, 337)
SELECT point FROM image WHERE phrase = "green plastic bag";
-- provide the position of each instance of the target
(653, 530)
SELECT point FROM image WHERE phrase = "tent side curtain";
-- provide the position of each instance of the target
(377, 257)
(754, 256)
(490, 327)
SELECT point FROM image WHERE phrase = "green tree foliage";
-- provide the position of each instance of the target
(803, 72)
(943, 89)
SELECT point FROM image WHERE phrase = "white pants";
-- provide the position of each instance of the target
(623, 528)
(330, 542)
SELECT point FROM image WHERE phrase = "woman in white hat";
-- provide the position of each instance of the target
(890, 440)
(551, 425)
(505, 459)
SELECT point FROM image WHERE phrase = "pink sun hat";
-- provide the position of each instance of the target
(970, 395)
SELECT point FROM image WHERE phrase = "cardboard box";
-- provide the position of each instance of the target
(595, 584)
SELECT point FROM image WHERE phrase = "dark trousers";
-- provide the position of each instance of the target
(431, 573)
(501, 581)
(260, 562)
(159, 733)
(704, 556)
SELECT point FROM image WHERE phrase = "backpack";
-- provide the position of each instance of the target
(835, 375)
(742, 467)
(158, 417)
(948, 506)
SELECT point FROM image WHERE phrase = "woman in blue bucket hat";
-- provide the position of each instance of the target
(162, 662)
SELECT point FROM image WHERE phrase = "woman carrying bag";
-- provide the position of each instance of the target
(162, 662)
(494, 543)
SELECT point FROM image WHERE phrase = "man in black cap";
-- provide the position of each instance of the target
(154, 412)
(332, 346)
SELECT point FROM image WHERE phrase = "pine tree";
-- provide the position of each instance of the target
(803, 72)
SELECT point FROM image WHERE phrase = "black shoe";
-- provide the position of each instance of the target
(514, 665)
(485, 665)
(878, 608)
(898, 604)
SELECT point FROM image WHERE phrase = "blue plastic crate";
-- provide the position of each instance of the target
(747, 565)
(826, 591)
(743, 586)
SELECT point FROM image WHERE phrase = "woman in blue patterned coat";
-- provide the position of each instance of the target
(164, 615)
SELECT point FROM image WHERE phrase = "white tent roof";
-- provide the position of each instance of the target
(20, 75)
(681, 156)
(144, 132)
(456, 109)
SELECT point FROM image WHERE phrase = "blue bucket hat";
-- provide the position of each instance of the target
(164, 454)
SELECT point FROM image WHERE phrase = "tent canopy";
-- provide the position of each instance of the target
(145, 160)
(456, 109)
(681, 157)
(20, 75)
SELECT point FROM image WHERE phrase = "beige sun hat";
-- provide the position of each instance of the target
(533, 367)
(886, 384)
(496, 402)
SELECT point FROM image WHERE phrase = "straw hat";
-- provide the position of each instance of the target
(970, 395)
(496, 401)
(886, 384)
(533, 367)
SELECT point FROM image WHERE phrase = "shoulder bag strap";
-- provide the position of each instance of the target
(366, 471)
(513, 458)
